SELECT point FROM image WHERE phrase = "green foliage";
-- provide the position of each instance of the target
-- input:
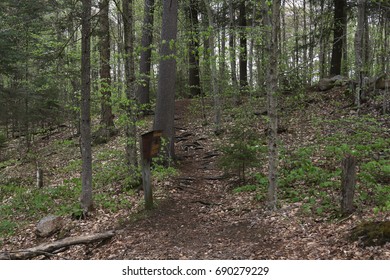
(312, 174)
(111, 168)
(259, 187)
(110, 202)
(244, 147)
(374, 178)
(65, 143)
(7, 227)
(161, 169)
(73, 166)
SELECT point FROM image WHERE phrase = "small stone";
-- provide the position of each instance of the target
(48, 225)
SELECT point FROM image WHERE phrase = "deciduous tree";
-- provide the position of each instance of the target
(86, 150)
(165, 105)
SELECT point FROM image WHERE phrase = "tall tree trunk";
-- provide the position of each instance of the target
(272, 89)
(232, 47)
(305, 45)
(296, 38)
(214, 79)
(107, 118)
(340, 10)
(251, 47)
(143, 93)
(313, 30)
(193, 50)
(359, 51)
(385, 61)
(323, 40)
(243, 48)
(165, 106)
(131, 128)
(86, 151)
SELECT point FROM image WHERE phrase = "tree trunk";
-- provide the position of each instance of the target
(107, 118)
(296, 38)
(251, 47)
(272, 89)
(86, 151)
(305, 45)
(193, 50)
(340, 12)
(313, 30)
(131, 128)
(143, 93)
(243, 48)
(348, 181)
(214, 80)
(232, 47)
(165, 106)
(359, 52)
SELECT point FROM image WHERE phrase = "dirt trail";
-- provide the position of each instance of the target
(199, 219)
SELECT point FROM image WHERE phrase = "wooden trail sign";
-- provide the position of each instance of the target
(151, 142)
(150, 146)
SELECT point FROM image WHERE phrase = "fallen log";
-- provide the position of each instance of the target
(49, 248)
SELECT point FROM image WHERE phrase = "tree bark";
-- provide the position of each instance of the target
(107, 118)
(193, 50)
(272, 89)
(359, 52)
(131, 128)
(340, 13)
(165, 106)
(50, 248)
(214, 80)
(243, 48)
(86, 150)
(232, 47)
(143, 93)
(348, 181)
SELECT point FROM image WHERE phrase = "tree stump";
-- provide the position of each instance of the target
(348, 181)
(39, 178)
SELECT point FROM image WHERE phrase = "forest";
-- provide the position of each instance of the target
(270, 123)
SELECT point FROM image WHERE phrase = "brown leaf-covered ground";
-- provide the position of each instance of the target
(197, 216)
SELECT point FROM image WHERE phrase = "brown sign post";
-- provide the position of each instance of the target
(150, 145)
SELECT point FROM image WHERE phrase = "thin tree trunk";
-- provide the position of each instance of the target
(323, 42)
(193, 50)
(305, 45)
(143, 93)
(359, 52)
(272, 89)
(313, 30)
(251, 47)
(232, 48)
(107, 118)
(86, 151)
(131, 128)
(214, 79)
(296, 38)
(243, 57)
